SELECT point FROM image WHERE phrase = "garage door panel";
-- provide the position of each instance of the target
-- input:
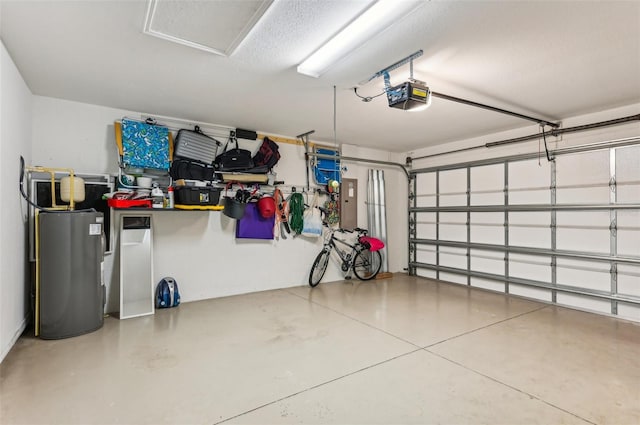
(453, 187)
(487, 261)
(529, 182)
(583, 181)
(426, 254)
(453, 278)
(628, 174)
(426, 225)
(530, 267)
(584, 274)
(487, 228)
(629, 280)
(583, 231)
(491, 285)
(453, 226)
(529, 292)
(487, 185)
(426, 190)
(583, 178)
(628, 234)
(453, 257)
(629, 311)
(584, 302)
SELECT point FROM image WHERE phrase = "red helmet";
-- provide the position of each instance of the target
(267, 206)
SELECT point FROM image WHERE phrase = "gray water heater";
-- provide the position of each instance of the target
(71, 293)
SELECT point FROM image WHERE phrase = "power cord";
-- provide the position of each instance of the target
(546, 149)
(367, 98)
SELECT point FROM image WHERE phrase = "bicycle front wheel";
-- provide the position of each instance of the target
(318, 268)
(366, 264)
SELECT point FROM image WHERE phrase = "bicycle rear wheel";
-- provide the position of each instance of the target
(366, 264)
(318, 268)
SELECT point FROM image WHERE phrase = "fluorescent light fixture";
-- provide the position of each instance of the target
(372, 21)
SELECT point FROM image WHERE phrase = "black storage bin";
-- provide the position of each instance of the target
(194, 195)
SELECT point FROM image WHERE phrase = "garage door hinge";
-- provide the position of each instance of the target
(612, 184)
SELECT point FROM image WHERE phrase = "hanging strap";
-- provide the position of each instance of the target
(281, 222)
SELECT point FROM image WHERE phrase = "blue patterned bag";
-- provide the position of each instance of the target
(145, 145)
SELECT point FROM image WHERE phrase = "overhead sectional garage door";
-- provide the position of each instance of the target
(566, 232)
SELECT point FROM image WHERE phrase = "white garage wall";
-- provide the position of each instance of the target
(15, 140)
(199, 248)
(396, 185)
(581, 179)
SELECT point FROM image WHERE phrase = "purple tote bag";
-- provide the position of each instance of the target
(253, 226)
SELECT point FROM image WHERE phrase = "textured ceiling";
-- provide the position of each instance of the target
(549, 59)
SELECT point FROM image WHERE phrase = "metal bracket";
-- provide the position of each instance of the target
(612, 184)
(408, 59)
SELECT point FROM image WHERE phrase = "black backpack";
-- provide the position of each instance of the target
(267, 156)
(235, 159)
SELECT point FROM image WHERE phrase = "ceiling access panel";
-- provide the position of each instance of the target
(216, 27)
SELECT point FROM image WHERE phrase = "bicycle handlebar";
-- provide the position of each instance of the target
(341, 230)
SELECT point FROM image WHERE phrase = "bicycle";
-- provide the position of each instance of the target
(363, 257)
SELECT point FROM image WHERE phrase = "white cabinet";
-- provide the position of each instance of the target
(136, 266)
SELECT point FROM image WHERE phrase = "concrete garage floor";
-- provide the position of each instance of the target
(395, 351)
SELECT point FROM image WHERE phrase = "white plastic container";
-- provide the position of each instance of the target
(144, 182)
(157, 197)
(78, 189)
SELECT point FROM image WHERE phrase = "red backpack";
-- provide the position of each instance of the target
(267, 156)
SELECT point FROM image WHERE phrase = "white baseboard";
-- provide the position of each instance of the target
(16, 335)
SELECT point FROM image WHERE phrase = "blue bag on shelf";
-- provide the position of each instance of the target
(145, 145)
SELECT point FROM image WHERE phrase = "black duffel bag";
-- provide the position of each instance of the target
(235, 159)
(191, 170)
